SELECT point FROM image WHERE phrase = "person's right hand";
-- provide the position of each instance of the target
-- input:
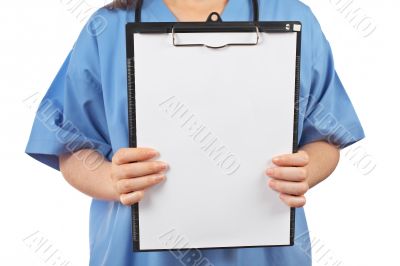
(131, 173)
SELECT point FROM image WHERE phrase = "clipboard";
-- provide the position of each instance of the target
(163, 62)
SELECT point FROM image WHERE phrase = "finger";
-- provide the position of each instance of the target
(129, 155)
(296, 159)
(287, 173)
(125, 186)
(131, 198)
(293, 201)
(140, 169)
(287, 187)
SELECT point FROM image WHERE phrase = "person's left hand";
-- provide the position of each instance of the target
(289, 178)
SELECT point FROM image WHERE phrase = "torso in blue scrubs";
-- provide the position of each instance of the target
(86, 107)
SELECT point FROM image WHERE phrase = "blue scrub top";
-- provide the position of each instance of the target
(86, 107)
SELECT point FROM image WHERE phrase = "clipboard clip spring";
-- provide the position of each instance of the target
(176, 44)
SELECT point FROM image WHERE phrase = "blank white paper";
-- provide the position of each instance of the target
(217, 116)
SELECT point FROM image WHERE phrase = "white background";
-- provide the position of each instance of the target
(352, 216)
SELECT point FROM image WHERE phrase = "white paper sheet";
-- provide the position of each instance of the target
(217, 116)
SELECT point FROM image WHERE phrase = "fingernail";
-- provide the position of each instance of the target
(270, 171)
(164, 166)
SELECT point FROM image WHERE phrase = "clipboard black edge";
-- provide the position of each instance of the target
(243, 26)
(166, 27)
(130, 66)
(296, 124)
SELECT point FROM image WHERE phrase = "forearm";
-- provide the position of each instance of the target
(324, 158)
(92, 181)
(96, 181)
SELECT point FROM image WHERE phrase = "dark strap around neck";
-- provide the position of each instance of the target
(255, 11)
(138, 10)
(139, 3)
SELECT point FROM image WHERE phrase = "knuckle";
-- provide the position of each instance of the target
(287, 201)
(305, 155)
(116, 159)
(302, 173)
(290, 202)
(300, 202)
(304, 200)
(120, 155)
(124, 186)
(123, 199)
(140, 195)
(303, 188)
(130, 199)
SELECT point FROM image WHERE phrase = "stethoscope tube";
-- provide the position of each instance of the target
(139, 4)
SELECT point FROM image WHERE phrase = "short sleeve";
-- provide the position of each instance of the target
(329, 114)
(71, 115)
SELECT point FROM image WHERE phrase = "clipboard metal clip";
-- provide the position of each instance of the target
(214, 19)
(176, 44)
